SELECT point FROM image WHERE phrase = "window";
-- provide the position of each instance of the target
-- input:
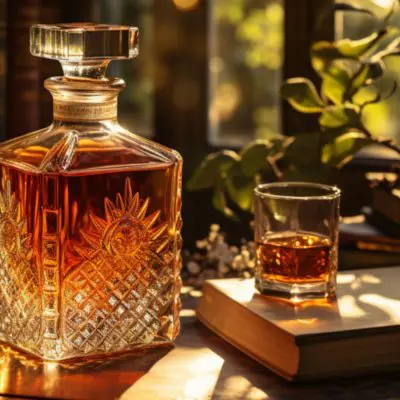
(245, 59)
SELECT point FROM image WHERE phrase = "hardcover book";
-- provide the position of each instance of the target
(359, 332)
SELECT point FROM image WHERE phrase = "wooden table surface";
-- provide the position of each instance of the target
(200, 366)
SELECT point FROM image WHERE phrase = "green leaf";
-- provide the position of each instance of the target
(337, 116)
(212, 168)
(219, 202)
(366, 74)
(333, 117)
(334, 82)
(240, 190)
(343, 148)
(323, 53)
(366, 95)
(363, 78)
(358, 80)
(302, 95)
(253, 157)
(387, 43)
(356, 48)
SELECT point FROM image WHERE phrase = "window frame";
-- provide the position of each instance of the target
(186, 130)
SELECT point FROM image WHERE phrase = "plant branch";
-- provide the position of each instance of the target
(275, 169)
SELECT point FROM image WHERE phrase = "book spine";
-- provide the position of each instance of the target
(23, 78)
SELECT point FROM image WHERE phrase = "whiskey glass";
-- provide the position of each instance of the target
(296, 235)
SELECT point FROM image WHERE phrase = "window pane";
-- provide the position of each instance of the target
(246, 54)
(136, 101)
(381, 119)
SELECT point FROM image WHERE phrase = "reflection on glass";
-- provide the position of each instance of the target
(381, 119)
(246, 48)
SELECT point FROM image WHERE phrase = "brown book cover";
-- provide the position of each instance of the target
(358, 333)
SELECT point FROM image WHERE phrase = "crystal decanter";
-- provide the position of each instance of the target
(89, 213)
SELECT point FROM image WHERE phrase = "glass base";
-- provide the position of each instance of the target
(296, 292)
(27, 355)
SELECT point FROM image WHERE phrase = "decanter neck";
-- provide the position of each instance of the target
(85, 69)
(70, 111)
(84, 99)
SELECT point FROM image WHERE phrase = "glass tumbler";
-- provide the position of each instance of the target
(296, 234)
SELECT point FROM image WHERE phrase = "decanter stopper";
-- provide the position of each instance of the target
(84, 49)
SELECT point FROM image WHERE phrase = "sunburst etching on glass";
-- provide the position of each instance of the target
(19, 280)
(126, 232)
(117, 296)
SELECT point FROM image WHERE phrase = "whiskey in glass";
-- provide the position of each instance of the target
(296, 239)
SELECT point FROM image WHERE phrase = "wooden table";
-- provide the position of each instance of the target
(201, 366)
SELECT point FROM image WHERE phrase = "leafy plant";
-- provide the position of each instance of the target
(350, 72)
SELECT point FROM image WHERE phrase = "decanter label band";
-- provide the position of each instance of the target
(85, 111)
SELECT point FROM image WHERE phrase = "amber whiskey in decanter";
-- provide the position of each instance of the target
(89, 213)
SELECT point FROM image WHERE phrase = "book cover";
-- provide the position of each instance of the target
(357, 333)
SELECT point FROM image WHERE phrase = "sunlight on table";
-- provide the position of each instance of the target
(239, 387)
(188, 373)
(349, 308)
(389, 306)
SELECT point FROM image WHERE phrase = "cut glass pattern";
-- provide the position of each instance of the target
(19, 279)
(89, 214)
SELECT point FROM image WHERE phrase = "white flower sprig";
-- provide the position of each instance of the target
(214, 258)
